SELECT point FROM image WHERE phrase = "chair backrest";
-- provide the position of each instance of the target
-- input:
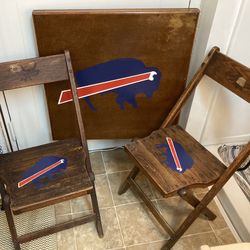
(231, 74)
(35, 71)
(44, 70)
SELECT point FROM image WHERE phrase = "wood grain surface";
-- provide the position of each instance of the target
(231, 74)
(161, 38)
(30, 72)
(74, 183)
(205, 170)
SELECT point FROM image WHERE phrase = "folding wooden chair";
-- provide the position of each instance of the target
(205, 169)
(48, 174)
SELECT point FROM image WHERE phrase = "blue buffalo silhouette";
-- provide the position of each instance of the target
(42, 164)
(185, 160)
(115, 69)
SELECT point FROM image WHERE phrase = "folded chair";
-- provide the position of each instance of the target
(186, 163)
(48, 174)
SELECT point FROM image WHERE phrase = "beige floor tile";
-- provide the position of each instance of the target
(200, 191)
(87, 237)
(225, 236)
(78, 215)
(103, 195)
(138, 225)
(115, 181)
(62, 208)
(219, 222)
(157, 193)
(63, 218)
(175, 210)
(103, 191)
(66, 240)
(117, 160)
(139, 229)
(149, 246)
(194, 242)
(97, 163)
(81, 204)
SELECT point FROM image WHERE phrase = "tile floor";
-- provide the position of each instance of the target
(126, 222)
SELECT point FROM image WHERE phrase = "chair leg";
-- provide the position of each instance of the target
(97, 212)
(11, 223)
(125, 185)
(187, 195)
(2, 192)
(184, 226)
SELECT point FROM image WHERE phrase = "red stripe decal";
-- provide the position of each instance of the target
(38, 174)
(174, 153)
(66, 95)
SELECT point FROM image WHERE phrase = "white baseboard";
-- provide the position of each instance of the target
(104, 144)
(228, 221)
(238, 139)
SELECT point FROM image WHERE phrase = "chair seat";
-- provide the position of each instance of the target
(150, 158)
(68, 183)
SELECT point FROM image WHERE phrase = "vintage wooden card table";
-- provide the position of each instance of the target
(117, 47)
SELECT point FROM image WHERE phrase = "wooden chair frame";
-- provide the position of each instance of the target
(61, 69)
(236, 78)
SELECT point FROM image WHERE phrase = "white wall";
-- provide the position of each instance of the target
(217, 116)
(207, 12)
(220, 35)
(17, 41)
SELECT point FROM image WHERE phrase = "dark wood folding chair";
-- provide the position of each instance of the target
(76, 180)
(206, 169)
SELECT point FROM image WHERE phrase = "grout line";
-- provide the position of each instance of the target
(74, 229)
(221, 229)
(119, 205)
(116, 248)
(146, 243)
(194, 234)
(101, 208)
(216, 236)
(124, 204)
(56, 223)
(100, 174)
(119, 171)
(185, 236)
(218, 239)
(210, 224)
(119, 225)
(155, 195)
(115, 172)
(214, 232)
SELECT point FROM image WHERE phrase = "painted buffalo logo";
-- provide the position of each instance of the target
(175, 156)
(126, 77)
(45, 168)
